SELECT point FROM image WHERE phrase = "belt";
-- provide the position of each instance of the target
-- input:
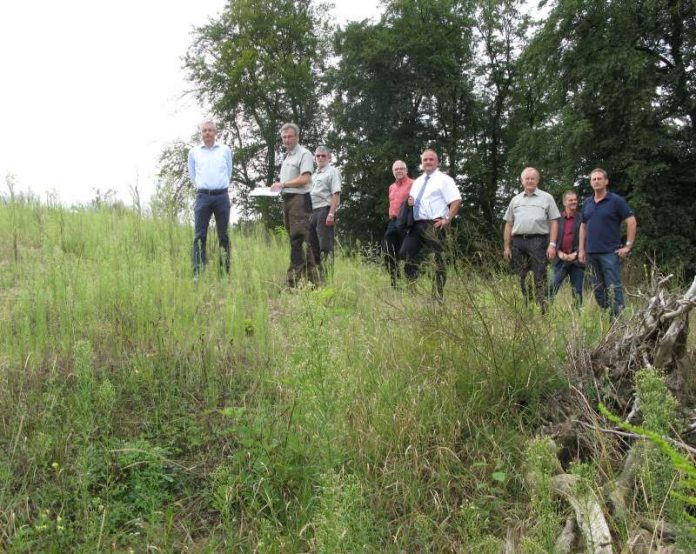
(212, 192)
(523, 236)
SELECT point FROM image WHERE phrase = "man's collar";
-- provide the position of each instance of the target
(204, 145)
(293, 149)
(604, 197)
(565, 214)
(534, 193)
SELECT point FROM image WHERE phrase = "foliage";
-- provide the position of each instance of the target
(174, 192)
(611, 84)
(259, 65)
(399, 87)
(143, 410)
(666, 478)
(608, 84)
(541, 464)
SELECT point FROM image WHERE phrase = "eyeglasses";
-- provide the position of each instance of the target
(399, 169)
(320, 155)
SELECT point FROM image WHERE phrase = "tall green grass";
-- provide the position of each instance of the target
(140, 409)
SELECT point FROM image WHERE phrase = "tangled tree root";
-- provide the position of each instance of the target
(655, 336)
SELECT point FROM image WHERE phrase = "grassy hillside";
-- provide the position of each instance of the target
(139, 408)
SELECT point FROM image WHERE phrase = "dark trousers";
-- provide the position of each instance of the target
(529, 254)
(206, 206)
(321, 241)
(297, 210)
(573, 271)
(391, 245)
(422, 239)
(606, 281)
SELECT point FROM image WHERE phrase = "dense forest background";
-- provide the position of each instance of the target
(607, 83)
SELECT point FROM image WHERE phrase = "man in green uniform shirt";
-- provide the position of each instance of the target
(531, 228)
(294, 185)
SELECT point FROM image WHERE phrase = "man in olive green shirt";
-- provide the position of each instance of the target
(294, 185)
(326, 194)
(531, 228)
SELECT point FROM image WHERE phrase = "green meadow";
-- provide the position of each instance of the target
(142, 411)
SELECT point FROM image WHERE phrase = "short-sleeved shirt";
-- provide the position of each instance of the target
(530, 213)
(297, 161)
(440, 191)
(210, 168)
(326, 182)
(398, 192)
(603, 222)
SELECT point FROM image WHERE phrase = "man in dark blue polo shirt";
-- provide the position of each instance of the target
(600, 240)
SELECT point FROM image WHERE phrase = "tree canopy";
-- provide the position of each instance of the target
(607, 83)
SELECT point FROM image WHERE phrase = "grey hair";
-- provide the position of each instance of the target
(208, 120)
(323, 150)
(530, 168)
(292, 126)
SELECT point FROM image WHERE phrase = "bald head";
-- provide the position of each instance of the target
(429, 160)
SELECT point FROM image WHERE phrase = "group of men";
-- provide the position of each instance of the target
(535, 232)
(310, 200)
(420, 212)
(434, 200)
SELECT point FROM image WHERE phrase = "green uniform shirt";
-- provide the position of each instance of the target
(297, 161)
(530, 214)
(326, 181)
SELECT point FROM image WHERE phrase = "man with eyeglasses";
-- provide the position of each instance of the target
(326, 195)
(393, 237)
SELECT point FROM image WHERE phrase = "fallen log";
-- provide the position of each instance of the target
(588, 512)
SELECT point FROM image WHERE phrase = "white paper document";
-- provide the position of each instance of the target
(264, 191)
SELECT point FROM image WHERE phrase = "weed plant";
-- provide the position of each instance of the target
(140, 409)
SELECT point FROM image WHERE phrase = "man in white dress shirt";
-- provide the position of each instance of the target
(435, 199)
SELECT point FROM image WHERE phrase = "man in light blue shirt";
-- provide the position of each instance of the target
(210, 170)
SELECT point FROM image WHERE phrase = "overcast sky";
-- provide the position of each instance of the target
(92, 91)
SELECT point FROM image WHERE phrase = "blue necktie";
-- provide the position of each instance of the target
(416, 204)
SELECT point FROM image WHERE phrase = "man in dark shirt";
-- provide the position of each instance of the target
(600, 240)
(566, 263)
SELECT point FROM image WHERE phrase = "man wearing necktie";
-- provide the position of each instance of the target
(436, 200)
